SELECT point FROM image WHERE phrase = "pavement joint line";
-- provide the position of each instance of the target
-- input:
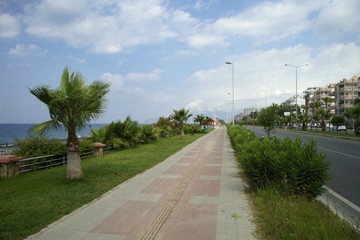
(159, 221)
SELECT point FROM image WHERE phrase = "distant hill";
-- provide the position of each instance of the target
(150, 121)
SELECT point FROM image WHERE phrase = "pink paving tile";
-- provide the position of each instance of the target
(178, 169)
(187, 160)
(197, 149)
(211, 170)
(191, 221)
(216, 154)
(214, 160)
(164, 186)
(131, 216)
(206, 188)
(192, 154)
(217, 149)
(183, 236)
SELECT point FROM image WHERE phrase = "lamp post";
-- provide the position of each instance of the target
(296, 67)
(229, 107)
(232, 65)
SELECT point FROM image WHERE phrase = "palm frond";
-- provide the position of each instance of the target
(43, 93)
(43, 127)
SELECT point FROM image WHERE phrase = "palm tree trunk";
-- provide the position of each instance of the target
(73, 167)
(182, 131)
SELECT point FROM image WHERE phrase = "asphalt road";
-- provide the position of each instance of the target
(344, 156)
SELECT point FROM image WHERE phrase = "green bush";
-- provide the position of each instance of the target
(294, 166)
(86, 144)
(38, 146)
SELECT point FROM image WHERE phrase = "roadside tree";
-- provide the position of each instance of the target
(304, 119)
(337, 121)
(354, 112)
(181, 116)
(71, 106)
(200, 119)
(324, 115)
(267, 118)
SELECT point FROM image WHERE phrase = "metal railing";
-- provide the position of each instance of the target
(6, 148)
(43, 162)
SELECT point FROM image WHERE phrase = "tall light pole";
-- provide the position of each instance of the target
(296, 67)
(229, 106)
(232, 65)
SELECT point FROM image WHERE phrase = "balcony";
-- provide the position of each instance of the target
(349, 97)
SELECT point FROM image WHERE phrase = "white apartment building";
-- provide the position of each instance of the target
(341, 95)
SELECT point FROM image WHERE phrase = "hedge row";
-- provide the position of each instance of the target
(295, 167)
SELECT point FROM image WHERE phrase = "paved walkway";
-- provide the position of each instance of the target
(194, 194)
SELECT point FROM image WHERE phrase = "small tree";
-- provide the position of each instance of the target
(354, 112)
(337, 121)
(324, 115)
(267, 118)
(71, 106)
(181, 116)
(326, 101)
(304, 119)
(200, 119)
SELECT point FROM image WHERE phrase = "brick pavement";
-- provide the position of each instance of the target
(194, 194)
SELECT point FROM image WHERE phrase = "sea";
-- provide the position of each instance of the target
(10, 131)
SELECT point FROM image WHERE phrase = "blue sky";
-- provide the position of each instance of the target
(162, 55)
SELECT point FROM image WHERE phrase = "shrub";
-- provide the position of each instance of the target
(294, 166)
(86, 144)
(38, 146)
(148, 133)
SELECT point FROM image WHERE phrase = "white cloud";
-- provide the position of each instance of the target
(339, 17)
(110, 26)
(23, 50)
(9, 26)
(194, 105)
(200, 4)
(105, 27)
(262, 73)
(115, 80)
(266, 21)
(141, 77)
(129, 83)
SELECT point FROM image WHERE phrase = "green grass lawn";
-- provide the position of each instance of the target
(283, 217)
(32, 201)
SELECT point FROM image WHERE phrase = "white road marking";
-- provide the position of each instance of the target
(349, 155)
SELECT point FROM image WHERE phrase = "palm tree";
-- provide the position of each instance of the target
(200, 119)
(312, 106)
(126, 133)
(304, 119)
(324, 115)
(71, 106)
(354, 112)
(181, 116)
(317, 105)
(306, 108)
(208, 120)
(326, 100)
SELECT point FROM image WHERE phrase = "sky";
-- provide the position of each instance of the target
(160, 55)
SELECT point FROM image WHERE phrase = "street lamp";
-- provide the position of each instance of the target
(232, 65)
(296, 67)
(229, 107)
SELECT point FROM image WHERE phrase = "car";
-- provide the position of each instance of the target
(340, 128)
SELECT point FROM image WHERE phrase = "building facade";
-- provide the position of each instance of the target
(341, 95)
(346, 91)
